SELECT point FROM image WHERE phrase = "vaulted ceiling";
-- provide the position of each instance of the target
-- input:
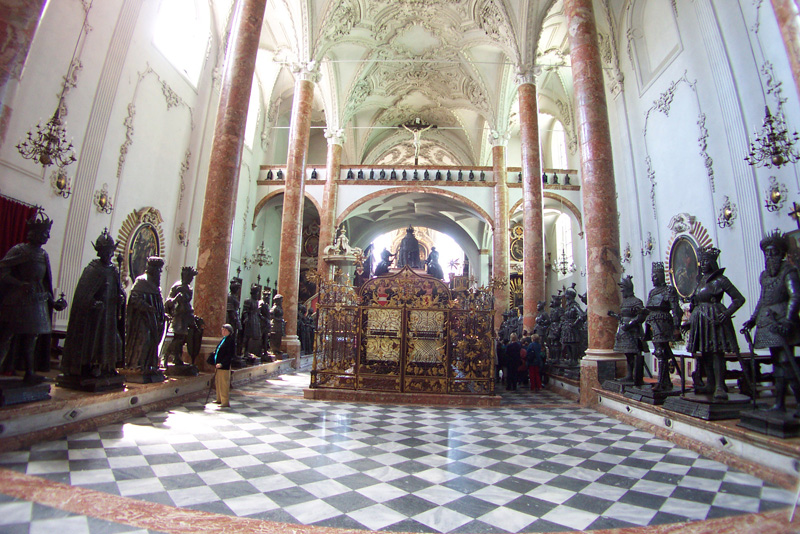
(451, 64)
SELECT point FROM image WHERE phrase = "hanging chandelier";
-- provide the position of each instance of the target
(261, 256)
(774, 145)
(564, 265)
(48, 144)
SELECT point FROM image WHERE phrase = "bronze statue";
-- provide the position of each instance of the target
(433, 267)
(572, 319)
(26, 297)
(251, 322)
(408, 254)
(385, 263)
(265, 319)
(630, 335)
(542, 320)
(181, 313)
(278, 324)
(554, 330)
(776, 317)
(662, 324)
(96, 328)
(146, 319)
(711, 330)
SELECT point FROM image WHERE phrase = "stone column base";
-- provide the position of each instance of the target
(590, 364)
(291, 346)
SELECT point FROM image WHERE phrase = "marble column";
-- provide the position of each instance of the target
(599, 190)
(211, 284)
(786, 12)
(330, 195)
(18, 20)
(533, 282)
(500, 230)
(293, 197)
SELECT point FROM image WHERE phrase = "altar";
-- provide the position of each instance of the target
(404, 332)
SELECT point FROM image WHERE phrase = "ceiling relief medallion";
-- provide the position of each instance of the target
(340, 20)
(494, 21)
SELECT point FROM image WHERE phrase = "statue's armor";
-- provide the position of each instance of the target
(780, 300)
(182, 314)
(26, 311)
(629, 332)
(542, 322)
(665, 314)
(570, 327)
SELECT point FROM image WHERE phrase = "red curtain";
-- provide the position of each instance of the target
(13, 216)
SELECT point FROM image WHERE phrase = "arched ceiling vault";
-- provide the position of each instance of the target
(383, 63)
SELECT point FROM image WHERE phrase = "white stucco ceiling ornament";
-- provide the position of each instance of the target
(492, 17)
(339, 20)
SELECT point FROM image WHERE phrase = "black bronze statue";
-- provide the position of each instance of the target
(662, 324)
(186, 326)
(409, 254)
(265, 318)
(572, 320)
(26, 297)
(432, 263)
(629, 339)
(554, 330)
(542, 320)
(385, 263)
(145, 322)
(278, 324)
(251, 322)
(96, 328)
(776, 317)
(711, 332)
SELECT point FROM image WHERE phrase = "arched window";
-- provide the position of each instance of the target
(558, 146)
(564, 243)
(181, 34)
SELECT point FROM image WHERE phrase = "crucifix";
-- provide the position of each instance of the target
(416, 127)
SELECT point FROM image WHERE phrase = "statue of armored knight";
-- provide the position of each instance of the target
(662, 324)
(629, 339)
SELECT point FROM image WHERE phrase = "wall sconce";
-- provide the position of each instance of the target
(103, 201)
(60, 182)
(626, 254)
(774, 145)
(183, 235)
(727, 213)
(647, 246)
(776, 195)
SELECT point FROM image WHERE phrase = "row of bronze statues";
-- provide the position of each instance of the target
(408, 254)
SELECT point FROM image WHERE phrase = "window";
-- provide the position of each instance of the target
(181, 34)
(254, 107)
(558, 146)
(564, 245)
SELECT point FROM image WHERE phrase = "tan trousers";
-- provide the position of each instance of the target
(223, 386)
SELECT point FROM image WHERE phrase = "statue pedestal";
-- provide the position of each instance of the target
(778, 424)
(182, 370)
(704, 406)
(15, 391)
(646, 394)
(94, 385)
(147, 377)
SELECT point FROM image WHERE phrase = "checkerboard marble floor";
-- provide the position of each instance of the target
(537, 463)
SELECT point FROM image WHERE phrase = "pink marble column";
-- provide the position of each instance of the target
(786, 12)
(292, 220)
(500, 231)
(330, 195)
(211, 284)
(533, 282)
(599, 189)
(18, 20)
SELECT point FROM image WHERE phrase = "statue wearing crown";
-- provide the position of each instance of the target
(26, 297)
(186, 326)
(145, 323)
(96, 328)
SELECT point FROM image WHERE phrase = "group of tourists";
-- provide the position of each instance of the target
(521, 362)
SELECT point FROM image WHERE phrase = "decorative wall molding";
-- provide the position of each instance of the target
(182, 174)
(662, 105)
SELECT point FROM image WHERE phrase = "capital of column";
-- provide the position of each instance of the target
(528, 75)
(498, 138)
(306, 70)
(335, 136)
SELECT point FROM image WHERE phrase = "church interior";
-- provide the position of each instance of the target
(599, 164)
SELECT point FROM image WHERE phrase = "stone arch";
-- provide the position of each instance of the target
(272, 194)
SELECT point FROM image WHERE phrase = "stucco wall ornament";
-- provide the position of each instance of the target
(610, 54)
(140, 237)
(662, 105)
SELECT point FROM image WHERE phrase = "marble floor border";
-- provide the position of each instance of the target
(163, 518)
